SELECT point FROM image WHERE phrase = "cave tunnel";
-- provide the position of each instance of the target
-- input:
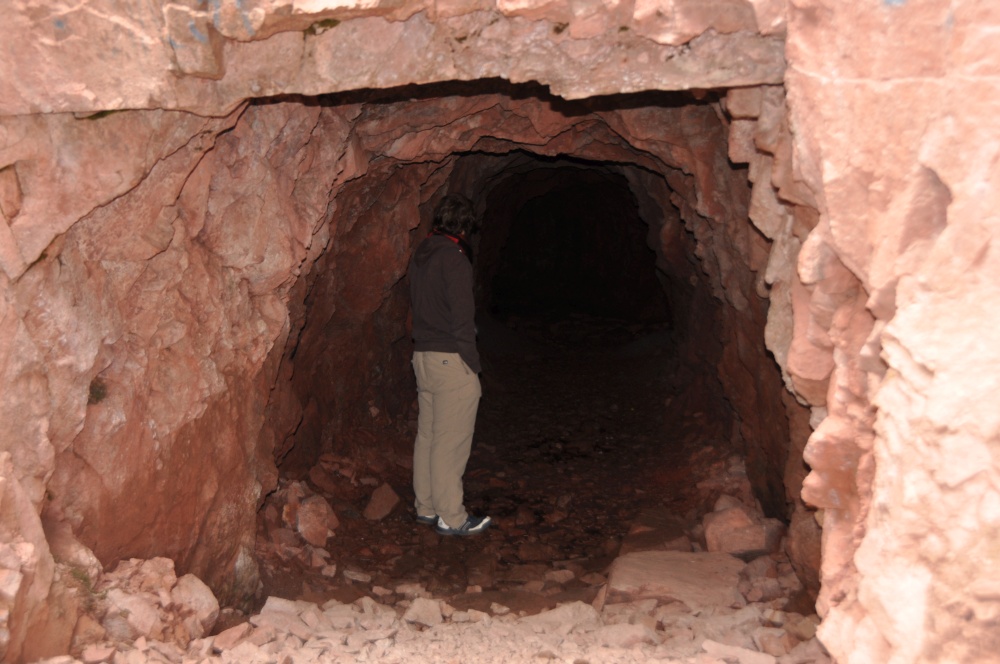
(601, 334)
(733, 277)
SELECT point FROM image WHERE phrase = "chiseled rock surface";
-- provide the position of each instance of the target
(899, 294)
(208, 60)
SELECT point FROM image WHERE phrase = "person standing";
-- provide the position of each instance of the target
(446, 364)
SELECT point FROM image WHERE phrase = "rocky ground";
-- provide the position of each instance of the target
(624, 531)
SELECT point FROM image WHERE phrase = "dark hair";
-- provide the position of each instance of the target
(454, 215)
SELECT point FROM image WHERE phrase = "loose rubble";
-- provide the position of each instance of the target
(654, 629)
(581, 567)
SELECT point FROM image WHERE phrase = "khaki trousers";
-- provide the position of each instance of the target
(448, 394)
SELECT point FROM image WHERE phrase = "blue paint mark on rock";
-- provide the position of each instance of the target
(893, 3)
(59, 23)
(198, 34)
(247, 25)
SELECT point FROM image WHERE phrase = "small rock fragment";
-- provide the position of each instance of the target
(381, 504)
(316, 520)
(424, 611)
(232, 637)
(355, 575)
(95, 653)
(742, 655)
(192, 593)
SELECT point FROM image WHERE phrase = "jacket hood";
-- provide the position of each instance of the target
(434, 244)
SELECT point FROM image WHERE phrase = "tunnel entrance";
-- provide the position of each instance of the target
(606, 427)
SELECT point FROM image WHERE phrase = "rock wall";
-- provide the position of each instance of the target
(148, 325)
(893, 107)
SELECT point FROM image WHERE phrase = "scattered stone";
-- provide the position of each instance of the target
(803, 628)
(698, 580)
(725, 502)
(499, 609)
(131, 616)
(192, 593)
(773, 641)
(315, 520)
(742, 655)
(232, 637)
(809, 652)
(87, 631)
(479, 616)
(318, 557)
(411, 590)
(560, 576)
(93, 654)
(355, 575)
(423, 611)
(564, 619)
(322, 479)
(631, 612)
(733, 530)
(384, 499)
(341, 616)
(625, 635)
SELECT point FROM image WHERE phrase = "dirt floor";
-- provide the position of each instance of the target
(584, 432)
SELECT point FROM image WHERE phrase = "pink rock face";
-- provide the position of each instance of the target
(175, 56)
(907, 211)
(177, 289)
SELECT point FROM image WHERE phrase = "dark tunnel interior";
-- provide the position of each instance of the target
(575, 244)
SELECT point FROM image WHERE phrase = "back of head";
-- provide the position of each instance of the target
(454, 215)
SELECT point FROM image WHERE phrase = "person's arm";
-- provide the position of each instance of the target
(463, 308)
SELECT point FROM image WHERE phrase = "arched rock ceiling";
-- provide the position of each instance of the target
(208, 57)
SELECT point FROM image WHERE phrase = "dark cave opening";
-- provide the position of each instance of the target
(575, 244)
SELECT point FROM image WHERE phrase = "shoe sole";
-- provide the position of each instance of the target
(429, 520)
(450, 532)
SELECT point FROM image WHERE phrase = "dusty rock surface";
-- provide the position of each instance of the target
(206, 59)
(899, 293)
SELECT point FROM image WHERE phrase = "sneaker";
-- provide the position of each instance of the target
(427, 519)
(473, 526)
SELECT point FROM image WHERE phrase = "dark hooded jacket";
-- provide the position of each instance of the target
(442, 302)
